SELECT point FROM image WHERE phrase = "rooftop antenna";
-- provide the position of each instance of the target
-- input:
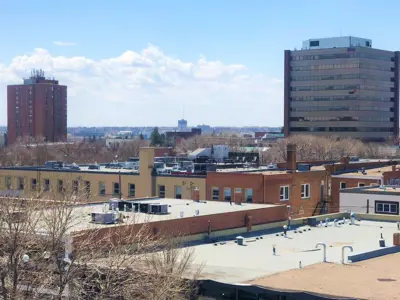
(183, 111)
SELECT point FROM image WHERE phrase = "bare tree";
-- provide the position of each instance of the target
(45, 253)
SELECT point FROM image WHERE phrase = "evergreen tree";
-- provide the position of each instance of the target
(156, 138)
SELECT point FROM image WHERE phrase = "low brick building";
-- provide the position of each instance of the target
(303, 191)
(184, 218)
(388, 175)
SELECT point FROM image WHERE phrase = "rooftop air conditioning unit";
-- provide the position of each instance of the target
(159, 209)
(104, 217)
(145, 207)
(126, 206)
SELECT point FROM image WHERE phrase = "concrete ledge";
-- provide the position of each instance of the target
(377, 217)
(374, 254)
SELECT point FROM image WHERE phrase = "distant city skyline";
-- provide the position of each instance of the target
(134, 63)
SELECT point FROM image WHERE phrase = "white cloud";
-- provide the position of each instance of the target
(64, 44)
(150, 88)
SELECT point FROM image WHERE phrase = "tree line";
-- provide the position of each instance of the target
(90, 151)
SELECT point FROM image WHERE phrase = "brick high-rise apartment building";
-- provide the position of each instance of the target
(342, 87)
(37, 109)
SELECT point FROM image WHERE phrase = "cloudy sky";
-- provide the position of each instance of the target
(136, 63)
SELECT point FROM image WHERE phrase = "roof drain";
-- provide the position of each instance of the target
(344, 247)
(324, 246)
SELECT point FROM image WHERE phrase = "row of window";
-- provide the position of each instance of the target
(248, 194)
(340, 77)
(341, 108)
(346, 118)
(341, 129)
(353, 88)
(343, 185)
(76, 186)
(284, 193)
(342, 66)
(350, 54)
(342, 97)
(177, 192)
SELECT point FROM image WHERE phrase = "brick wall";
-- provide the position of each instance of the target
(245, 181)
(266, 188)
(299, 207)
(187, 226)
(350, 183)
(391, 175)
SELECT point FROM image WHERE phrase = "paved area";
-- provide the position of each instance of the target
(371, 279)
(229, 262)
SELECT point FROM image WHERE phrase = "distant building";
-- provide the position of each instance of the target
(205, 128)
(182, 125)
(176, 137)
(342, 87)
(37, 109)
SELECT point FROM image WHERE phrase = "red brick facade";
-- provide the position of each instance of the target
(37, 110)
(190, 226)
(267, 188)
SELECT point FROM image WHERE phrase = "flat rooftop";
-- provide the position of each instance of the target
(82, 213)
(375, 172)
(376, 278)
(376, 189)
(265, 171)
(228, 262)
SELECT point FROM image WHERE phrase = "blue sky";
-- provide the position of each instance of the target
(252, 34)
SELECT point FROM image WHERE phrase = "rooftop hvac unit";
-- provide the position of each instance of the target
(104, 217)
(135, 206)
(159, 209)
(114, 203)
(304, 167)
(145, 207)
(126, 206)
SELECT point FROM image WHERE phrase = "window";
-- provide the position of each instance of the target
(284, 193)
(360, 184)
(47, 185)
(161, 191)
(102, 188)
(87, 188)
(314, 43)
(60, 186)
(215, 193)
(342, 185)
(227, 194)
(387, 207)
(75, 186)
(305, 191)
(132, 190)
(178, 192)
(20, 183)
(33, 184)
(116, 188)
(249, 195)
(8, 182)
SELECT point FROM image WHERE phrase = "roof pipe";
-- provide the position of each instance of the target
(324, 246)
(344, 247)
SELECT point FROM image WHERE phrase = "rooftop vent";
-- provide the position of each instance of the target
(110, 217)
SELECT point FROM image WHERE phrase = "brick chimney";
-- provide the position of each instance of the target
(345, 160)
(196, 194)
(291, 163)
